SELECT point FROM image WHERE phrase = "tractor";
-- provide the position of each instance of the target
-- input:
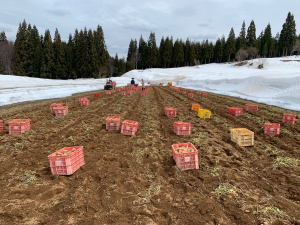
(109, 85)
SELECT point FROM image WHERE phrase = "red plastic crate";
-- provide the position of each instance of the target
(181, 128)
(289, 118)
(183, 92)
(272, 129)
(191, 91)
(204, 94)
(113, 91)
(177, 90)
(198, 92)
(118, 89)
(123, 92)
(235, 111)
(183, 89)
(128, 85)
(82, 98)
(113, 122)
(85, 102)
(143, 94)
(61, 111)
(185, 160)
(53, 106)
(108, 92)
(66, 164)
(191, 95)
(148, 82)
(97, 95)
(130, 92)
(1, 125)
(253, 108)
(129, 127)
(160, 84)
(19, 126)
(170, 111)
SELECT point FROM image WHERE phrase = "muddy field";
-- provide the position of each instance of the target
(134, 180)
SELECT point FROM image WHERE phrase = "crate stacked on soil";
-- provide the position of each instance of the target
(19, 126)
(253, 108)
(62, 110)
(195, 107)
(82, 98)
(67, 160)
(128, 85)
(130, 92)
(185, 156)
(198, 92)
(183, 92)
(235, 111)
(143, 93)
(177, 90)
(113, 91)
(190, 95)
(129, 127)
(148, 82)
(272, 129)
(113, 123)
(97, 95)
(242, 136)
(170, 111)
(118, 89)
(1, 125)
(85, 102)
(181, 128)
(108, 92)
(161, 84)
(191, 91)
(204, 113)
(123, 92)
(183, 89)
(53, 106)
(289, 118)
(204, 94)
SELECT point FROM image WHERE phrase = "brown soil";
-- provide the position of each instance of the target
(134, 179)
(241, 64)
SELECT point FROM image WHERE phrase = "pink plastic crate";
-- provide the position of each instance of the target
(118, 89)
(61, 111)
(170, 111)
(130, 92)
(108, 92)
(235, 111)
(19, 126)
(289, 118)
(198, 92)
(253, 108)
(181, 128)
(113, 91)
(143, 93)
(82, 98)
(129, 127)
(187, 160)
(97, 95)
(53, 106)
(66, 164)
(123, 92)
(190, 95)
(85, 102)
(113, 122)
(204, 94)
(183, 89)
(272, 129)
(177, 90)
(183, 92)
(191, 91)
(1, 125)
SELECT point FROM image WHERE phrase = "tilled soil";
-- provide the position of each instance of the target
(134, 179)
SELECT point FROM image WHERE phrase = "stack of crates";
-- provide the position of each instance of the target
(53, 106)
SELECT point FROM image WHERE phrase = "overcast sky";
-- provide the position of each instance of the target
(122, 20)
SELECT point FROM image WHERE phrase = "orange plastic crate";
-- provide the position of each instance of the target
(85, 102)
(181, 128)
(195, 107)
(82, 98)
(253, 108)
(53, 106)
(204, 94)
(97, 95)
(66, 164)
(19, 126)
(190, 95)
(113, 122)
(289, 118)
(235, 111)
(129, 127)
(1, 125)
(185, 160)
(170, 111)
(272, 129)
(61, 111)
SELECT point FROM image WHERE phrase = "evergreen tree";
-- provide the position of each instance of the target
(152, 50)
(35, 52)
(116, 66)
(48, 65)
(69, 53)
(101, 50)
(60, 71)
(267, 38)
(211, 51)
(92, 67)
(265, 49)
(167, 52)
(131, 51)
(143, 51)
(242, 37)
(230, 44)
(178, 53)
(222, 50)
(187, 52)
(272, 47)
(82, 52)
(192, 56)
(217, 50)
(288, 34)
(161, 52)
(3, 37)
(251, 34)
(3, 41)
(198, 50)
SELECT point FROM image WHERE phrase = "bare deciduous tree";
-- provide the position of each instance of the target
(7, 56)
(135, 58)
(252, 52)
(296, 47)
(241, 55)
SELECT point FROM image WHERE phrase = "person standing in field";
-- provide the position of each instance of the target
(115, 85)
(132, 83)
(143, 84)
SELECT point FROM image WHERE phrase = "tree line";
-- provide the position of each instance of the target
(246, 45)
(84, 55)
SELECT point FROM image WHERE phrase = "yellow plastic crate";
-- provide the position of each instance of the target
(203, 113)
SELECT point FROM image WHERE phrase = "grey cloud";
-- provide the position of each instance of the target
(59, 12)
